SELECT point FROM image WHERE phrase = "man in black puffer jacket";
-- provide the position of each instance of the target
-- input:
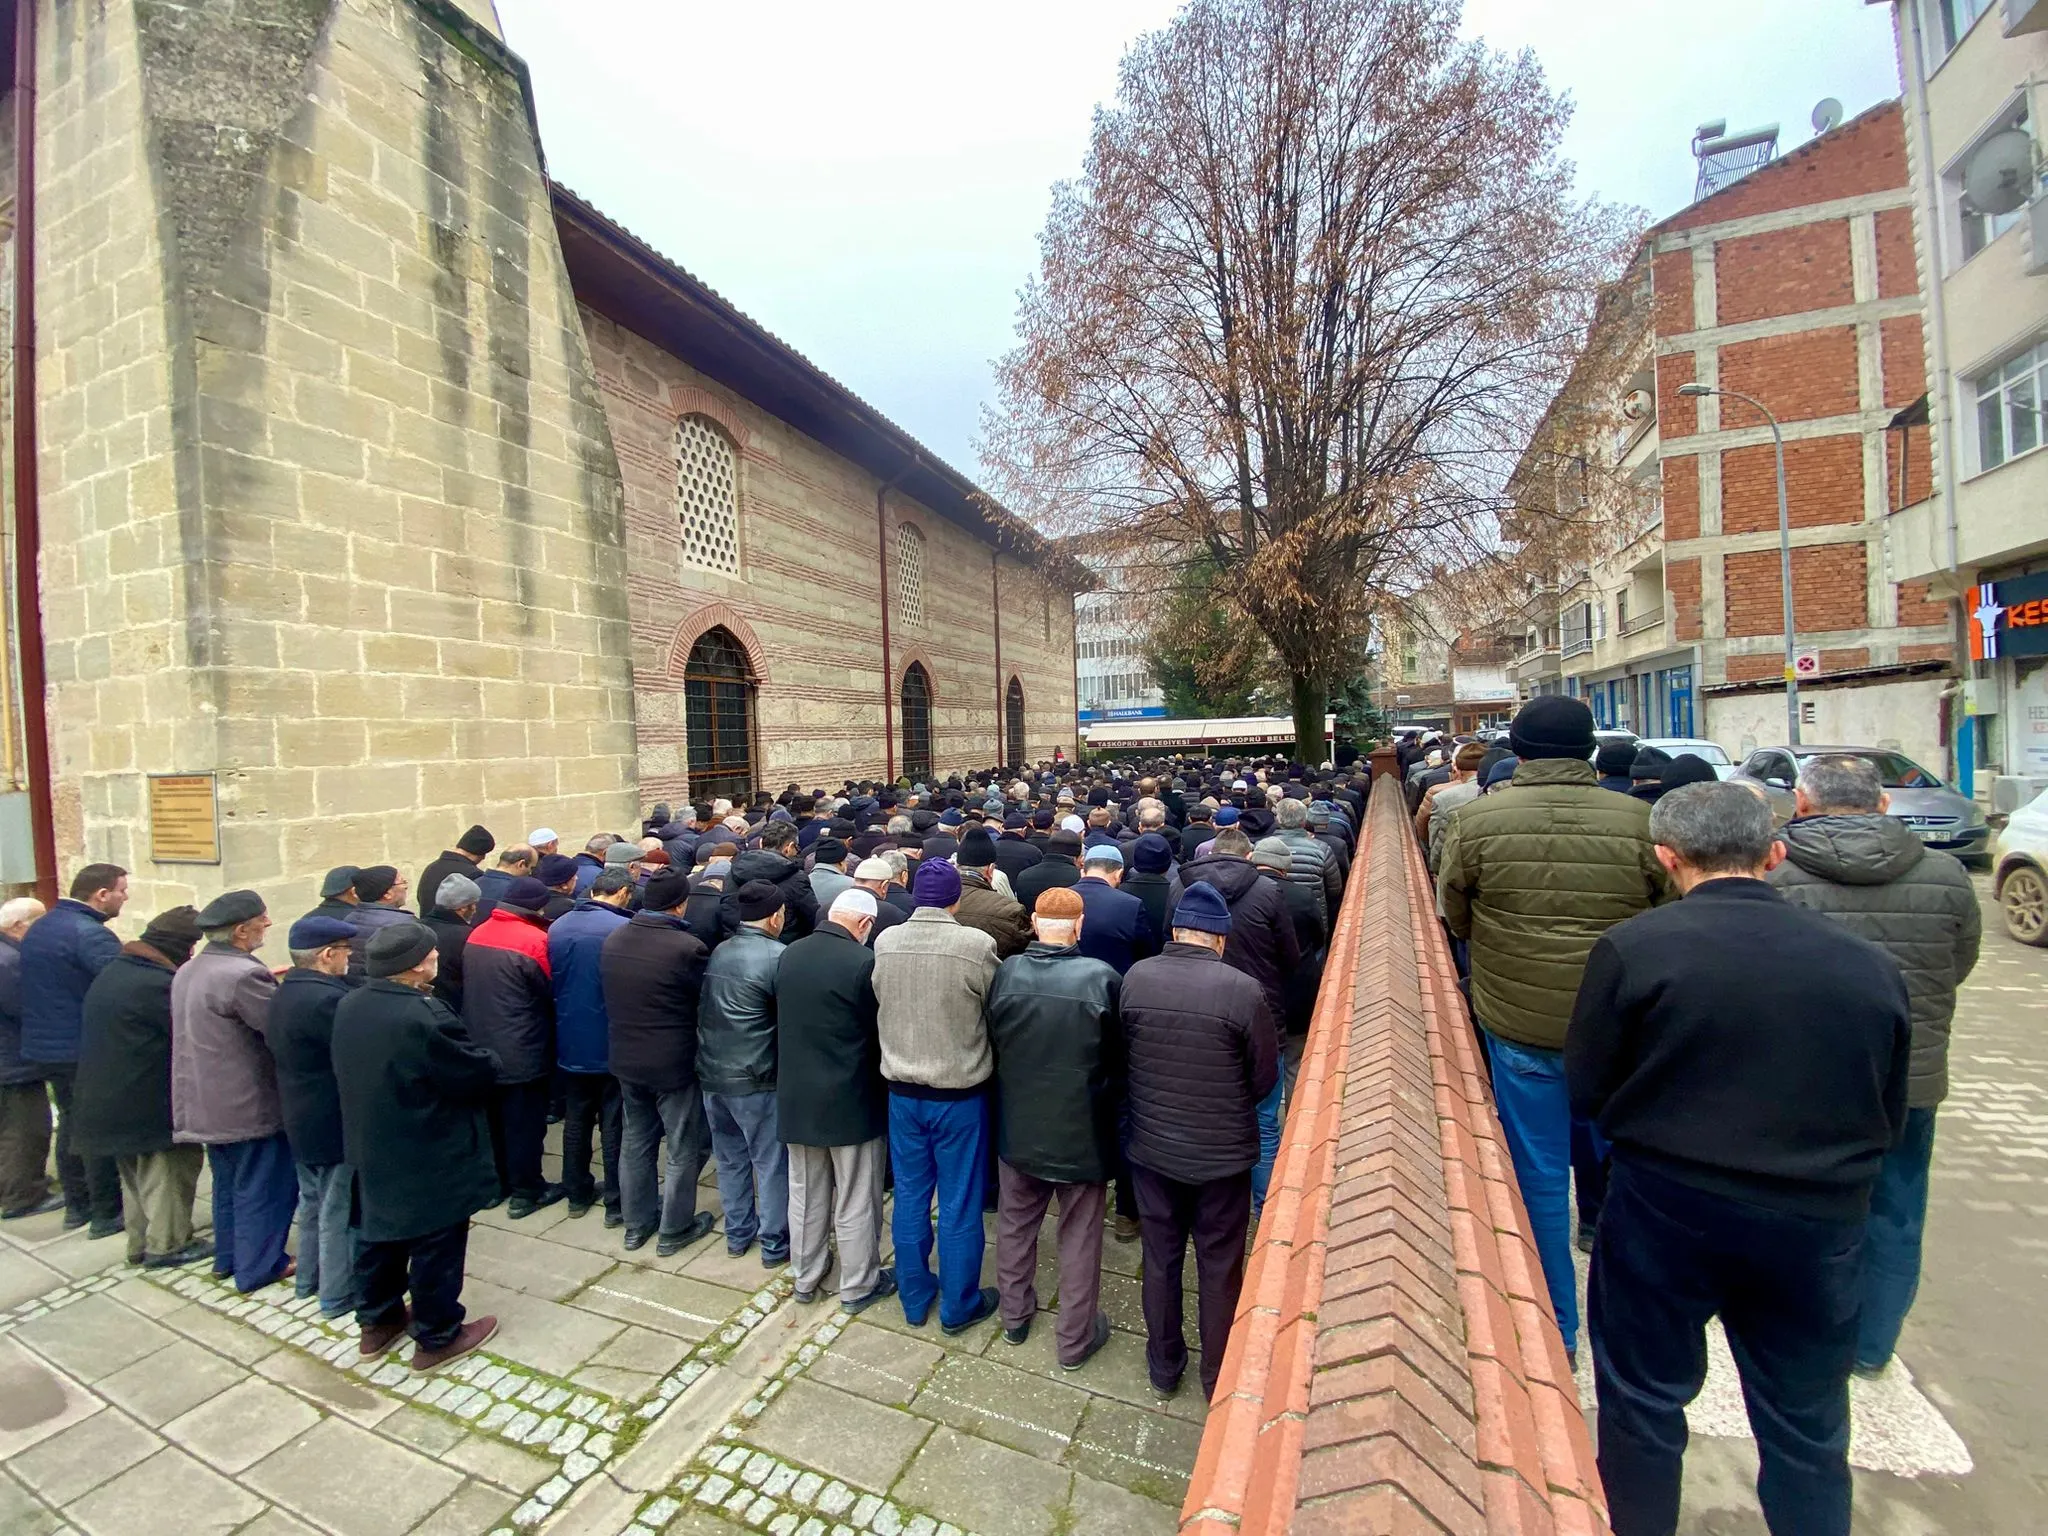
(1844, 856)
(776, 862)
(653, 970)
(736, 1066)
(1202, 1046)
(1052, 1023)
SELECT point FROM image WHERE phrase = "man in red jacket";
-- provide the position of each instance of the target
(508, 1003)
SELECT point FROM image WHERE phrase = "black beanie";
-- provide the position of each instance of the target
(477, 841)
(977, 850)
(1614, 758)
(375, 883)
(1552, 725)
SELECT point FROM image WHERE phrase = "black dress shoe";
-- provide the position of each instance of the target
(636, 1237)
(49, 1202)
(109, 1226)
(614, 1219)
(984, 1304)
(1019, 1334)
(191, 1253)
(75, 1218)
(885, 1287)
(673, 1243)
(1095, 1343)
(519, 1207)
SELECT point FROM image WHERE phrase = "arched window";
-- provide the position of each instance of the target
(909, 574)
(718, 715)
(1013, 724)
(917, 723)
(707, 497)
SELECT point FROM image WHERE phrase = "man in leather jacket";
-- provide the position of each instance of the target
(736, 1065)
(1052, 1021)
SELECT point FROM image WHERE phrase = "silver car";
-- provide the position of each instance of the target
(1942, 817)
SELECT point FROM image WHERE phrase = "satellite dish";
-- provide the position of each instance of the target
(1999, 175)
(1827, 115)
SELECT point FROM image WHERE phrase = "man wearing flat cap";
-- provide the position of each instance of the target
(931, 981)
(301, 1037)
(224, 1090)
(337, 893)
(1060, 865)
(465, 858)
(412, 1086)
(380, 892)
(508, 1003)
(736, 1060)
(1203, 1048)
(122, 1101)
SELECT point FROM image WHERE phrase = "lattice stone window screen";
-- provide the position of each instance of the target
(910, 573)
(707, 500)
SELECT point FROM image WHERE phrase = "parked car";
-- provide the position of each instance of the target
(1941, 816)
(1681, 746)
(1602, 736)
(2020, 858)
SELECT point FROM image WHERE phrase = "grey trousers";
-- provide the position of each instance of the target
(327, 1245)
(653, 1199)
(837, 1190)
(24, 1145)
(1020, 1212)
(156, 1192)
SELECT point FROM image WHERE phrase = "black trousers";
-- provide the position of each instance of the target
(92, 1185)
(519, 1129)
(591, 1102)
(1666, 1259)
(430, 1267)
(1215, 1214)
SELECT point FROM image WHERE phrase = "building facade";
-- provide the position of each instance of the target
(1112, 680)
(385, 487)
(1975, 534)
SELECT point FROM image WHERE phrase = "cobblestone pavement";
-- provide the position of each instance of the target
(1952, 1439)
(623, 1395)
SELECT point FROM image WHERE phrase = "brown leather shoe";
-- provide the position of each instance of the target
(471, 1337)
(383, 1338)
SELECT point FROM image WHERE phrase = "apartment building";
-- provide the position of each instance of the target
(1975, 532)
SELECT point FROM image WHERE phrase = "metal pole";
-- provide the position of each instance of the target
(1785, 579)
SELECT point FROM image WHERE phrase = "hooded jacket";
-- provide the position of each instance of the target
(508, 1000)
(582, 1038)
(736, 1015)
(1532, 876)
(787, 876)
(1263, 940)
(1873, 875)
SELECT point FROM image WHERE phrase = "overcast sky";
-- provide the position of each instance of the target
(868, 182)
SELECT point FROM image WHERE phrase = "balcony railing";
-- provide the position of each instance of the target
(1576, 645)
(1642, 621)
(1534, 663)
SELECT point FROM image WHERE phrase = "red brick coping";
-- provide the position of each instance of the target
(1394, 1366)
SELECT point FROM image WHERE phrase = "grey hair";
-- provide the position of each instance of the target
(1839, 783)
(1723, 828)
(1290, 814)
(1231, 840)
(222, 933)
(19, 909)
(899, 826)
(898, 860)
(304, 958)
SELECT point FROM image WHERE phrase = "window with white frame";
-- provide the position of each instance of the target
(910, 573)
(1977, 230)
(2009, 407)
(707, 499)
(1949, 21)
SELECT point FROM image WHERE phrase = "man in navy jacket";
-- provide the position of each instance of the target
(1116, 929)
(583, 1041)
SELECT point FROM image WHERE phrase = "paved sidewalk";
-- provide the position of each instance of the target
(623, 1393)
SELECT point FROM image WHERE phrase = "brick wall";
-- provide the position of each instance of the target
(1682, 584)
(1394, 1365)
(1905, 360)
(1671, 283)
(1800, 375)
(1898, 267)
(1677, 415)
(1783, 272)
(1865, 155)
(1828, 590)
(1681, 496)
(1823, 484)
(1917, 607)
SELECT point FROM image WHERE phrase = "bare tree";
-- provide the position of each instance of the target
(1321, 274)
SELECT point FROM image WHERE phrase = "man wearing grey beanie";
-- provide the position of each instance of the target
(451, 913)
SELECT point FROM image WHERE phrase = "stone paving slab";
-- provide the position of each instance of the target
(513, 1260)
(1015, 1408)
(353, 1482)
(169, 1492)
(661, 1303)
(237, 1429)
(69, 1465)
(862, 1443)
(180, 1376)
(987, 1488)
(23, 1277)
(36, 1401)
(1141, 1449)
(878, 1363)
(94, 1338)
(541, 1334)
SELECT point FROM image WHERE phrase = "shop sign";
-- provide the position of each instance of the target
(2009, 618)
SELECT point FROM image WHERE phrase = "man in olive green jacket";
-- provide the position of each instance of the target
(1531, 876)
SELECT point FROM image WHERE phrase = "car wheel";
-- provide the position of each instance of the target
(2023, 897)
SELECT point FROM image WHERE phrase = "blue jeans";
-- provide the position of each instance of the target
(938, 1146)
(1891, 1242)
(1669, 1258)
(327, 1246)
(1536, 1116)
(753, 1172)
(1269, 1113)
(255, 1191)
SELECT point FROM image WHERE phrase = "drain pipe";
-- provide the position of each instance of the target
(882, 491)
(28, 540)
(995, 590)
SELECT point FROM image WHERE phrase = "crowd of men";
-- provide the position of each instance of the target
(1741, 1084)
(1069, 989)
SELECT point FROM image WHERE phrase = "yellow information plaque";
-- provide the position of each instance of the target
(184, 819)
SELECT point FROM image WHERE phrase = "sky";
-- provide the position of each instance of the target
(868, 182)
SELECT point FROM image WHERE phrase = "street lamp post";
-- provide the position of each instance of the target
(1784, 551)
